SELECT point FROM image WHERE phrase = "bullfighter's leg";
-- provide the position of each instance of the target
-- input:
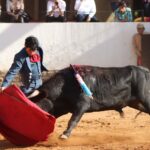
(81, 108)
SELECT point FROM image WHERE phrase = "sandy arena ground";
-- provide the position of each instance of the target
(97, 131)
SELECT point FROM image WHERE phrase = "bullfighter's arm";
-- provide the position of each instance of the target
(13, 71)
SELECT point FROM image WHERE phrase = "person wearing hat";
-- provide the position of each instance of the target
(137, 42)
(123, 13)
(27, 62)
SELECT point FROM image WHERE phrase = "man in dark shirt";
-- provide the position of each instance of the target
(146, 7)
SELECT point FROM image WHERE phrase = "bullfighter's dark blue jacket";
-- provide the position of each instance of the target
(30, 77)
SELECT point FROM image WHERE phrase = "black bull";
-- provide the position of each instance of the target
(112, 88)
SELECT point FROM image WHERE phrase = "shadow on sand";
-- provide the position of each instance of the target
(4, 145)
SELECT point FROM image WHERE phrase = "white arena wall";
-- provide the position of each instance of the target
(99, 44)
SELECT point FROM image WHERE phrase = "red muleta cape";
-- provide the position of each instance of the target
(21, 121)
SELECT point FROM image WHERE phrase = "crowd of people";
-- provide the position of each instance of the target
(84, 11)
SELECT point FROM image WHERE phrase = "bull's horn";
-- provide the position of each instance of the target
(35, 93)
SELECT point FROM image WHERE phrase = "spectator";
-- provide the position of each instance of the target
(123, 13)
(146, 7)
(0, 13)
(86, 10)
(28, 62)
(56, 10)
(15, 12)
(137, 43)
(0, 10)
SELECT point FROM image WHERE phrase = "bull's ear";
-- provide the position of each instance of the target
(35, 93)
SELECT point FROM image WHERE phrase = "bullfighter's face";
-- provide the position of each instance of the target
(30, 52)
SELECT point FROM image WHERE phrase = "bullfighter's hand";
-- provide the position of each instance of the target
(2, 89)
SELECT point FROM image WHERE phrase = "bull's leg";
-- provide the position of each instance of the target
(120, 112)
(45, 104)
(75, 118)
(139, 106)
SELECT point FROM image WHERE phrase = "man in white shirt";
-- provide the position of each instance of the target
(86, 10)
(55, 10)
(15, 12)
(13, 8)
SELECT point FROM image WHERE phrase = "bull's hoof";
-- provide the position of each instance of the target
(63, 137)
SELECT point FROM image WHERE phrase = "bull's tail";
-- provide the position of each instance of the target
(137, 114)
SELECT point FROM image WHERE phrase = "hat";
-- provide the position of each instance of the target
(32, 42)
(140, 26)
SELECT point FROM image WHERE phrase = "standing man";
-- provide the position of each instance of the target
(56, 11)
(137, 43)
(0, 12)
(0, 9)
(86, 10)
(123, 13)
(27, 62)
(146, 7)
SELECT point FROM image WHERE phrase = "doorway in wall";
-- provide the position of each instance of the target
(146, 50)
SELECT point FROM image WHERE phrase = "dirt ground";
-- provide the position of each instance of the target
(97, 131)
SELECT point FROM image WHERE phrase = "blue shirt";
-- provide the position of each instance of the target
(30, 72)
(123, 17)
